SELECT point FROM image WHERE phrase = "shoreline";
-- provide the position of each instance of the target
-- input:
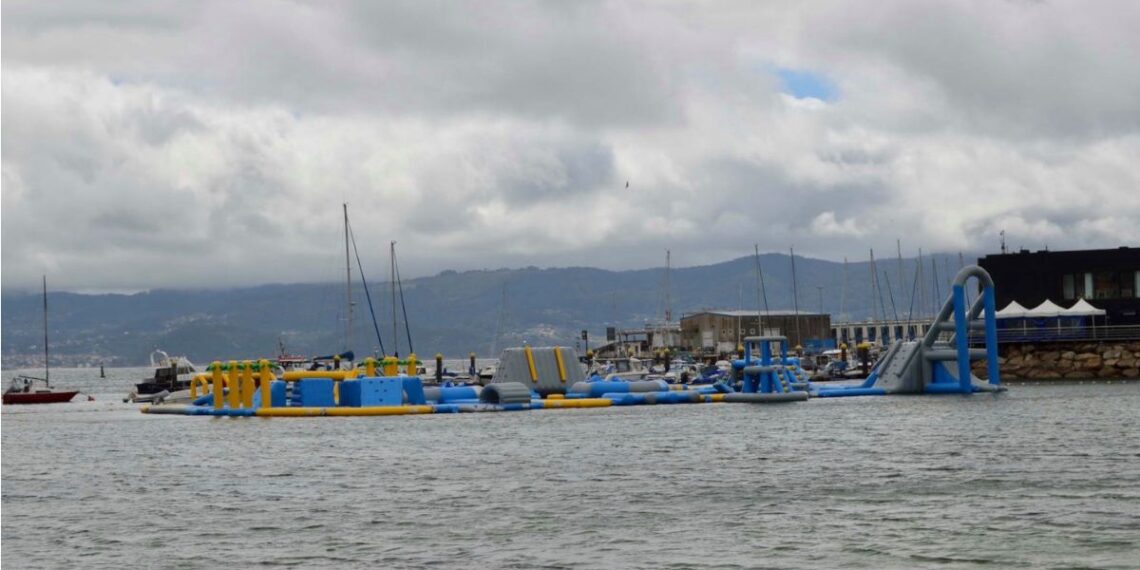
(1066, 381)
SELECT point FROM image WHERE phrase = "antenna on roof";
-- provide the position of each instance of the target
(1003, 250)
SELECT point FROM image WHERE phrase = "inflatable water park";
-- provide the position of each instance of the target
(541, 378)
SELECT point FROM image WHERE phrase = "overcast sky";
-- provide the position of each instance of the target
(154, 144)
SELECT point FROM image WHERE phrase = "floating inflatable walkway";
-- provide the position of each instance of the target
(549, 378)
(934, 365)
(528, 379)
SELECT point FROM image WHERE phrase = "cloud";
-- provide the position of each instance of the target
(827, 225)
(163, 144)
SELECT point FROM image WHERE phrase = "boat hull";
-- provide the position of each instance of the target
(152, 387)
(38, 397)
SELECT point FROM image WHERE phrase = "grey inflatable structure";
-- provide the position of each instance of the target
(505, 393)
(554, 368)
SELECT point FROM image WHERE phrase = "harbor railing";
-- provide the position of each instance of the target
(1063, 334)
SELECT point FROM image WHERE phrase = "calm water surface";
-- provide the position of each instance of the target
(1042, 477)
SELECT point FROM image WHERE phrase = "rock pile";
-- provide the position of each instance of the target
(1067, 360)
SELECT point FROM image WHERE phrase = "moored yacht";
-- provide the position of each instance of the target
(171, 373)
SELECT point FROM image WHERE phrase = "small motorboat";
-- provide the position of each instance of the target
(487, 373)
(171, 373)
(23, 390)
(681, 372)
(626, 368)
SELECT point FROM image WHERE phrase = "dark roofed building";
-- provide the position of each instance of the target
(1107, 278)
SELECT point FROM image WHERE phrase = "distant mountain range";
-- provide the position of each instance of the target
(453, 313)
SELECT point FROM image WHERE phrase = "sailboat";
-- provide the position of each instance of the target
(24, 390)
(346, 358)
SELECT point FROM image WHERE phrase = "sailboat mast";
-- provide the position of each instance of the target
(898, 246)
(392, 280)
(843, 295)
(876, 291)
(795, 297)
(47, 367)
(920, 278)
(499, 327)
(934, 283)
(872, 266)
(668, 299)
(761, 294)
(347, 283)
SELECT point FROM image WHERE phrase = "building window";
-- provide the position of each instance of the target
(1106, 285)
(1077, 286)
(1127, 285)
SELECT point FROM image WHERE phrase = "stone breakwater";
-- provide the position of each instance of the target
(1073, 360)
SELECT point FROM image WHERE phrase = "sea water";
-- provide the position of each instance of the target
(1039, 477)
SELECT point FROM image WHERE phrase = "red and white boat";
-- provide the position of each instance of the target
(23, 390)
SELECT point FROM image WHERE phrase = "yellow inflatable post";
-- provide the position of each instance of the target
(218, 389)
(370, 366)
(247, 384)
(266, 377)
(530, 363)
(391, 366)
(561, 366)
(412, 362)
(234, 398)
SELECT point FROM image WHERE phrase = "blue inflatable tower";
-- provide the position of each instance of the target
(769, 374)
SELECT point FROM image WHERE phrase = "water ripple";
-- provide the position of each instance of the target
(1045, 476)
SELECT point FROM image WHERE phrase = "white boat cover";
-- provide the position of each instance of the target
(1082, 308)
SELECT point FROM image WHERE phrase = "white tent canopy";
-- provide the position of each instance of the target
(1013, 310)
(1047, 309)
(1082, 308)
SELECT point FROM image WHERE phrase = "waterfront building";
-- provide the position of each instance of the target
(645, 342)
(880, 333)
(1108, 278)
(721, 331)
